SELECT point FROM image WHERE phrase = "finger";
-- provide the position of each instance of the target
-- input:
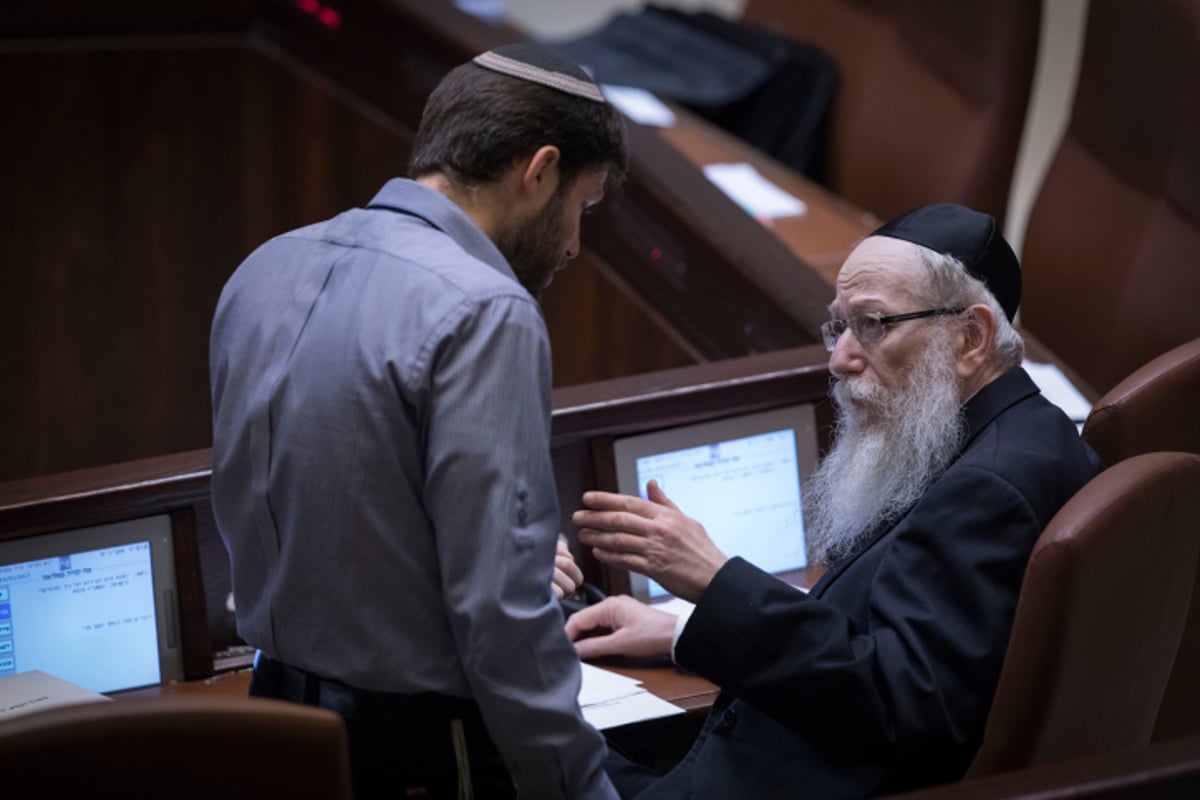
(599, 646)
(587, 619)
(562, 584)
(614, 522)
(600, 500)
(567, 566)
(611, 520)
(610, 501)
(656, 495)
(616, 542)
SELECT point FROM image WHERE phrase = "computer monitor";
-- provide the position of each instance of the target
(739, 476)
(95, 606)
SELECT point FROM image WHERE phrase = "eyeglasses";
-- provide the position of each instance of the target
(869, 329)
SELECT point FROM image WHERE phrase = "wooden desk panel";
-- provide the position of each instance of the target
(179, 484)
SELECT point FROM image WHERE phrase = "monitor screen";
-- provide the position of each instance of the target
(95, 606)
(740, 477)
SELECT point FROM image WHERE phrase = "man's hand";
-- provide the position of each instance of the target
(637, 629)
(652, 537)
(567, 575)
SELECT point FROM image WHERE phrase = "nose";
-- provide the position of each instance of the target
(847, 357)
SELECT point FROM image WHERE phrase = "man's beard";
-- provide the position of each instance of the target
(534, 248)
(886, 453)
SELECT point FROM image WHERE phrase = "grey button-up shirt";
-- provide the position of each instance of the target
(382, 476)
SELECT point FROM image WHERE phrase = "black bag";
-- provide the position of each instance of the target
(769, 90)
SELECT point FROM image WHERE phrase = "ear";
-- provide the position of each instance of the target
(540, 177)
(974, 341)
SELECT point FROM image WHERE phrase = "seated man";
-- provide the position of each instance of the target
(947, 465)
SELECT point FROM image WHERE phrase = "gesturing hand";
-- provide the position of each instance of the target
(652, 537)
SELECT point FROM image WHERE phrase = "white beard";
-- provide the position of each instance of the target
(885, 455)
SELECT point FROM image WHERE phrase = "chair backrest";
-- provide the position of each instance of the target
(1111, 256)
(177, 746)
(1158, 408)
(1099, 618)
(931, 96)
(1155, 408)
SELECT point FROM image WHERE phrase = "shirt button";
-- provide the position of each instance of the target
(729, 718)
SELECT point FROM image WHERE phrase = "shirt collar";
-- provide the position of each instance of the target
(406, 196)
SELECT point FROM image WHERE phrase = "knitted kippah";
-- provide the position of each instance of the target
(530, 62)
(971, 237)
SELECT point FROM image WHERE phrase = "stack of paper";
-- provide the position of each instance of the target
(609, 699)
(27, 692)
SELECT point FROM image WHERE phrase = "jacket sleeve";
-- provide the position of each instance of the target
(902, 652)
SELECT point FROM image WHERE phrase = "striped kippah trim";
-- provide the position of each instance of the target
(555, 80)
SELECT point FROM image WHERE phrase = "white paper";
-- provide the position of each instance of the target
(609, 699)
(635, 708)
(601, 686)
(750, 190)
(639, 105)
(27, 692)
(1059, 390)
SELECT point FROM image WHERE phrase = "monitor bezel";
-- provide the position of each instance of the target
(800, 417)
(157, 530)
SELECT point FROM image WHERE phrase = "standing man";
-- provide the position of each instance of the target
(381, 468)
(947, 465)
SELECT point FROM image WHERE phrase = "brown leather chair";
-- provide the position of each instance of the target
(931, 95)
(1099, 619)
(177, 746)
(1158, 408)
(1111, 256)
(1155, 408)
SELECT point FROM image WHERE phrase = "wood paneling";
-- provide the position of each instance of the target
(137, 181)
(156, 145)
(585, 417)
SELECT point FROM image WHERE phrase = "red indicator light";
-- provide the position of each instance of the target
(329, 18)
(326, 15)
(655, 254)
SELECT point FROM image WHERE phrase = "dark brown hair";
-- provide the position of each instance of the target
(477, 123)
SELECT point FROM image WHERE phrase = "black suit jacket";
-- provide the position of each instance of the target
(880, 679)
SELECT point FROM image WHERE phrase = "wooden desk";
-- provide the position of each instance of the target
(583, 416)
(822, 237)
(690, 692)
(658, 742)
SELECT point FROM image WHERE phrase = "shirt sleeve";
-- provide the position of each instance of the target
(491, 498)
